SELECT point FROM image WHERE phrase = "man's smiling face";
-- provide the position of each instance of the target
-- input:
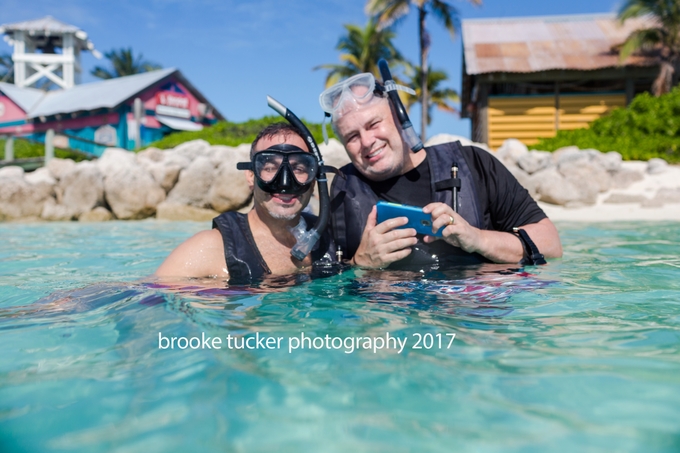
(373, 141)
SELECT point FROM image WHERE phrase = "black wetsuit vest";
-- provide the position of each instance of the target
(244, 261)
(352, 200)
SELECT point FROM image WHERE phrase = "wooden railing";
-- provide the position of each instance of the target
(32, 163)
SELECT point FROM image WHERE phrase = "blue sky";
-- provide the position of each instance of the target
(237, 52)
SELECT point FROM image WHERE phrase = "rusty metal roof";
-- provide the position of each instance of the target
(532, 44)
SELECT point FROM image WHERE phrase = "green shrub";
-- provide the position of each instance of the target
(648, 127)
(232, 134)
(25, 149)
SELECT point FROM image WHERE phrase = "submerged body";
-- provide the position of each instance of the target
(268, 227)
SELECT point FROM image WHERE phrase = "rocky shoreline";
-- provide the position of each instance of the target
(197, 181)
(193, 181)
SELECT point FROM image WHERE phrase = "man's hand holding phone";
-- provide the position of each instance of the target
(384, 243)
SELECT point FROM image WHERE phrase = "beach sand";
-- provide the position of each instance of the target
(612, 212)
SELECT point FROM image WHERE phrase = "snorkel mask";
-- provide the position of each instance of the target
(283, 168)
(361, 91)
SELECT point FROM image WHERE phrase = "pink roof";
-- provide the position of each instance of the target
(532, 44)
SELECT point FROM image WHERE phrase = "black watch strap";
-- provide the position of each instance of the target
(532, 256)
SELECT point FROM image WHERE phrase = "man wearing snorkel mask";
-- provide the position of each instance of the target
(390, 164)
(246, 247)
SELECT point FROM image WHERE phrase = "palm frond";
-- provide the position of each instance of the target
(644, 40)
(447, 15)
(387, 12)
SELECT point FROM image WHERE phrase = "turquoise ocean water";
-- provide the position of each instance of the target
(579, 355)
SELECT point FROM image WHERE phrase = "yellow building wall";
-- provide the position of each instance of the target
(528, 118)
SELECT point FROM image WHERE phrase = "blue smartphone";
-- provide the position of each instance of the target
(417, 219)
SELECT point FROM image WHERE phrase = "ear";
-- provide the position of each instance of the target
(250, 178)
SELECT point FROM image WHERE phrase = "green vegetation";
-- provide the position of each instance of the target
(648, 127)
(232, 134)
(25, 149)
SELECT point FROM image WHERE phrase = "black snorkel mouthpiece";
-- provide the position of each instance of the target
(410, 136)
(306, 241)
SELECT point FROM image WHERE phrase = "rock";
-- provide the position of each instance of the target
(165, 171)
(173, 211)
(132, 193)
(511, 150)
(82, 189)
(447, 138)
(171, 157)
(620, 198)
(41, 175)
(165, 174)
(115, 159)
(667, 195)
(624, 177)
(11, 171)
(229, 190)
(589, 177)
(98, 214)
(194, 184)
(565, 153)
(534, 161)
(334, 153)
(19, 199)
(54, 211)
(193, 149)
(525, 179)
(554, 188)
(59, 167)
(656, 166)
(151, 154)
(610, 161)
(221, 154)
(568, 155)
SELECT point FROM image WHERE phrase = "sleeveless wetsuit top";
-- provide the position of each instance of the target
(244, 261)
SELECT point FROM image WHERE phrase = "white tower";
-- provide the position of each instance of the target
(35, 53)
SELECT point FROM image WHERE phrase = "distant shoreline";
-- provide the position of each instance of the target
(613, 212)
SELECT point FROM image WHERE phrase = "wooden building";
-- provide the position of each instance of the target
(527, 78)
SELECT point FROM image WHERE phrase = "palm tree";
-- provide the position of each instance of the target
(662, 39)
(6, 68)
(439, 96)
(361, 49)
(388, 11)
(124, 63)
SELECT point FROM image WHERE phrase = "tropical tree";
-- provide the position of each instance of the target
(440, 97)
(124, 63)
(662, 39)
(361, 49)
(387, 12)
(6, 68)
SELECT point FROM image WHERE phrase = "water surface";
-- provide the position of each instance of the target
(579, 355)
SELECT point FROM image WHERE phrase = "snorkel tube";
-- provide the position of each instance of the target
(308, 239)
(410, 136)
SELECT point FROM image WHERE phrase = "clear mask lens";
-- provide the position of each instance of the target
(302, 166)
(358, 88)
